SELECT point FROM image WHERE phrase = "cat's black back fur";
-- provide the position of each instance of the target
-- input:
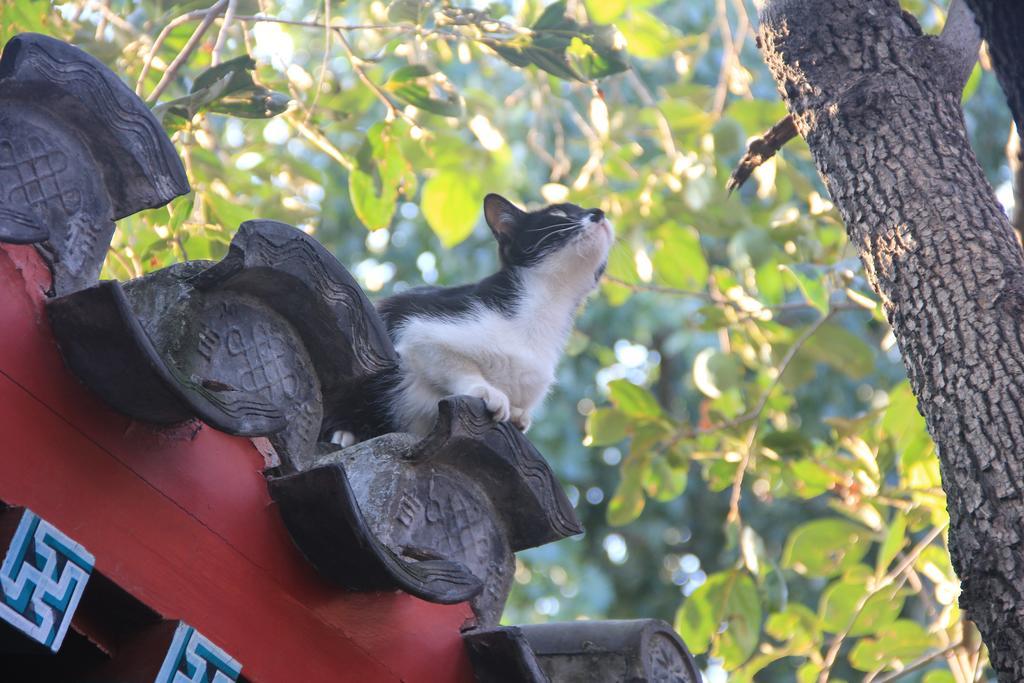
(498, 292)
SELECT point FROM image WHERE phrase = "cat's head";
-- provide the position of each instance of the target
(563, 234)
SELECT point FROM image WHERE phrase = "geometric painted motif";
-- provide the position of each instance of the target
(192, 658)
(42, 579)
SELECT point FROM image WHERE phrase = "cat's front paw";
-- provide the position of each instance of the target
(497, 402)
(343, 438)
(520, 419)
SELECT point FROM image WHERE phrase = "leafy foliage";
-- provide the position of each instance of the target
(731, 417)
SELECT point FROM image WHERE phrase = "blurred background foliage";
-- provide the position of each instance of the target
(731, 419)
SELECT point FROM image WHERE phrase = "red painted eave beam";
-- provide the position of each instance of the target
(184, 523)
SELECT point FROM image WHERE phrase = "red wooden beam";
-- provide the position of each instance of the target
(182, 521)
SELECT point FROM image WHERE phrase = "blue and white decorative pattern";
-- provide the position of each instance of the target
(192, 658)
(42, 579)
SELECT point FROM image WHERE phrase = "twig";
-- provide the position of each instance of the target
(321, 141)
(533, 141)
(761, 150)
(186, 52)
(222, 35)
(918, 663)
(664, 129)
(636, 287)
(731, 48)
(159, 42)
(328, 43)
(129, 270)
(258, 19)
(356, 63)
(101, 25)
(111, 16)
(592, 166)
(755, 414)
(884, 582)
(721, 303)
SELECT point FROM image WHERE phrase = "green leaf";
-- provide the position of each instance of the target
(180, 209)
(825, 547)
(409, 73)
(647, 36)
(633, 400)
(227, 88)
(905, 425)
(810, 478)
(810, 284)
(972, 83)
(808, 672)
(418, 96)
(553, 61)
(714, 372)
(236, 70)
(408, 11)
(841, 600)
(678, 258)
(796, 625)
(606, 426)
(756, 116)
(891, 646)
(751, 248)
(788, 443)
(842, 350)
(627, 502)
(895, 539)
(451, 205)
(595, 55)
(226, 212)
(252, 103)
(413, 84)
(564, 48)
(606, 11)
(553, 17)
(664, 482)
(374, 185)
(726, 612)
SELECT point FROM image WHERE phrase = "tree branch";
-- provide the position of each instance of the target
(755, 414)
(962, 39)
(918, 663)
(761, 150)
(193, 42)
(222, 35)
(883, 583)
(1015, 160)
(393, 111)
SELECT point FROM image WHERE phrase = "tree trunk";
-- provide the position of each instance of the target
(879, 105)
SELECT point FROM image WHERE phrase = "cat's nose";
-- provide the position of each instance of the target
(596, 215)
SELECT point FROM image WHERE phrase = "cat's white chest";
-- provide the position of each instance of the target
(520, 356)
(517, 357)
(508, 360)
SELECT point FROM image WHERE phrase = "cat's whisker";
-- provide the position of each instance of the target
(546, 237)
(549, 227)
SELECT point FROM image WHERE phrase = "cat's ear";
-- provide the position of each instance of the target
(502, 215)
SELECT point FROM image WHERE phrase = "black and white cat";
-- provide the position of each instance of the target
(501, 338)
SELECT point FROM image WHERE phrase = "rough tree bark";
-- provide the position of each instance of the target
(1002, 26)
(879, 105)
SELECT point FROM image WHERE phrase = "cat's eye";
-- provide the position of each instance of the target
(558, 213)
